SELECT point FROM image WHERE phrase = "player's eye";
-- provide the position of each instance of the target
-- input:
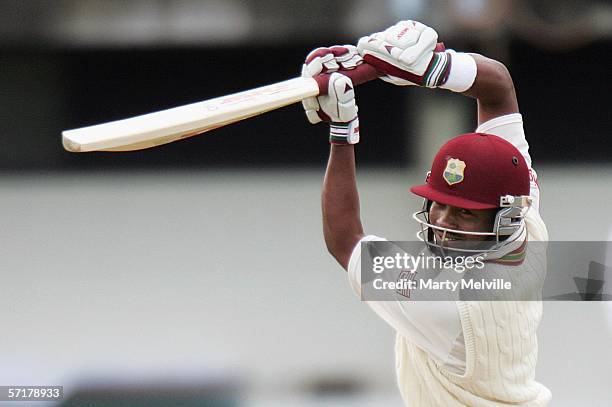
(466, 212)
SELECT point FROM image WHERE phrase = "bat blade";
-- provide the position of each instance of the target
(165, 126)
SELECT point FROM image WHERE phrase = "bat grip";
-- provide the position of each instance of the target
(360, 75)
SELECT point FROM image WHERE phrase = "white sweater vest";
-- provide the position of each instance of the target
(501, 353)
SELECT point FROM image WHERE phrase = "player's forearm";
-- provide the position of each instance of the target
(340, 203)
(493, 88)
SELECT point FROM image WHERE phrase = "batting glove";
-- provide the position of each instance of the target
(405, 52)
(338, 107)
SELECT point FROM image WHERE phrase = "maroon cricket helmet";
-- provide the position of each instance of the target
(473, 171)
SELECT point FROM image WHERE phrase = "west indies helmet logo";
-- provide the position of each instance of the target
(453, 173)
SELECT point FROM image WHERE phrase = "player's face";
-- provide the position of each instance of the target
(467, 220)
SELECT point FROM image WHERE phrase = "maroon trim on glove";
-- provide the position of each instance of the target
(336, 50)
(393, 70)
(440, 47)
(319, 52)
(388, 69)
(323, 116)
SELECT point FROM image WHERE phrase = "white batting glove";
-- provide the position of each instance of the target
(405, 52)
(338, 107)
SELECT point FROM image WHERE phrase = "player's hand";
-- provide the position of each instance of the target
(406, 52)
(339, 103)
(338, 107)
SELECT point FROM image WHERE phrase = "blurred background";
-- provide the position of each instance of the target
(196, 273)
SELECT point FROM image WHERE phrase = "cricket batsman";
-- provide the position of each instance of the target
(481, 188)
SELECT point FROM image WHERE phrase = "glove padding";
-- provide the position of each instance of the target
(405, 52)
(338, 106)
(332, 59)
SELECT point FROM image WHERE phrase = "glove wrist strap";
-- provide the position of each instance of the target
(344, 133)
(455, 71)
(438, 70)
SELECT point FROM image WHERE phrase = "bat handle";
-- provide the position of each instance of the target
(362, 74)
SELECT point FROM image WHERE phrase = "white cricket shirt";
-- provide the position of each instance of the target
(435, 326)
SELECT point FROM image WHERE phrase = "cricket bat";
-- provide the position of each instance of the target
(166, 126)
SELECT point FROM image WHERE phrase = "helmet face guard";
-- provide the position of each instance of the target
(508, 227)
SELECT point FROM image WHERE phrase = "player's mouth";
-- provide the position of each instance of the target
(442, 236)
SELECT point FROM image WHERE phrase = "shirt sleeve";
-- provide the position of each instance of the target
(354, 266)
(510, 128)
(434, 326)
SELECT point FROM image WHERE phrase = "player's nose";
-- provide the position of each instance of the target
(447, 218)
